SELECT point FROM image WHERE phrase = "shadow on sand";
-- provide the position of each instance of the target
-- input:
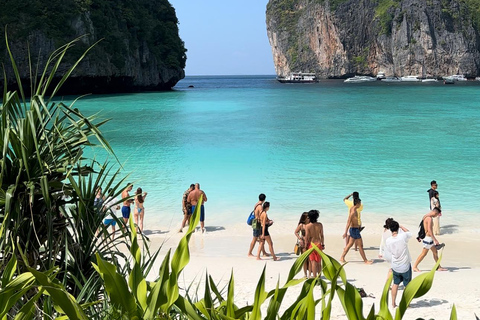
(448, 229)
(428, 303)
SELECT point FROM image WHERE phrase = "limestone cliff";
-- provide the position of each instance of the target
(140, 48)
(339, 38)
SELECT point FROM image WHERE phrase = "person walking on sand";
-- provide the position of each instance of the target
(111, 206)
(139, 212)
(429, 242)
(349, 203)
(397, 248)
(265, 236)
(256, 226)
(301, 240)
(314, 234)
(186, 207)
(193, 198)
(126, 203)
(353, 225)
(434, 202)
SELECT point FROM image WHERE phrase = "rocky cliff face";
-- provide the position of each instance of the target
(339, 38)
(140, 48)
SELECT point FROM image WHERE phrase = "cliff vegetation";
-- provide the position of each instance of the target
(140, 47)
(339, 38)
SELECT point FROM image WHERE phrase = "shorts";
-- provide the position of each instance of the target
(257, 233)
(202, 212)
(110, 222)
(427, 242)
(355, 233)
(126, 212)
(406, 277)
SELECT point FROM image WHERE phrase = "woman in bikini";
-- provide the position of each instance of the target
(265, 236)
(139, 211)
(300, 234)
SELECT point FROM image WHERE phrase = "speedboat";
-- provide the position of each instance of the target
(358, 79)
(298, 77)
(392, 79)
(477, 78)
(448, 80)
(429, 80)
(458, 77)
(410, 79)
(381, 75)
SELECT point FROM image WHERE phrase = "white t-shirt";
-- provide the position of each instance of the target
(111, 203)
(398, 249)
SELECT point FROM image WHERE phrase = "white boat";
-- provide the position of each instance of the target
(411, 79)
(477, 78)
(448, 80)
(298, 77)
(358, 79)
(429, 80)
(392, 79)
(458, 77)
(381, 75)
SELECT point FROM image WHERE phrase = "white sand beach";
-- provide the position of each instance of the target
(224, 248)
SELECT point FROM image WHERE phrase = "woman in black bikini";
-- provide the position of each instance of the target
(265, 236)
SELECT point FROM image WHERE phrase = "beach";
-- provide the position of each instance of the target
(223, 249)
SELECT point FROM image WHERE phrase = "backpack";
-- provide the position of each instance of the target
(250, 218)
(421, 232)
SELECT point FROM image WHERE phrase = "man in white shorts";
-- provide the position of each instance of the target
(429, 242)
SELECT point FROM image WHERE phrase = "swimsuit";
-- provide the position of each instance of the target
(126, 212)
(266, 231)
(202, 212)
(355, 233)
(139, 210)
(110, 222)
(315, 256)
(427, 242)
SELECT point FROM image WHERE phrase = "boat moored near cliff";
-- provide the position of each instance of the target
(299, 77)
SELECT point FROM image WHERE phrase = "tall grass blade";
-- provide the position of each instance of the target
(384, 312)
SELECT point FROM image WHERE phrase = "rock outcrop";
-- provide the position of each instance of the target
(140, 48)
(340, 38)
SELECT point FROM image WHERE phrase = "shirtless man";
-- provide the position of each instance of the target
(126, 202)
(193, 198)
(349, 204)
(186, 207)
(429, 242)
(314, 234)
(354, 227)
(257, 230)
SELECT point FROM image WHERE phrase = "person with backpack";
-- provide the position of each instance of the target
(428, 239)
(256, 226)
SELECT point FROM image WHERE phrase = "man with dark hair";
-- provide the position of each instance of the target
(434, 202)
(353, 226)
(431, 191)
(256, 226)
(429, 242)
(314, 234)
(126, 203)
(186, 207)
(396, 247)
(349, 203)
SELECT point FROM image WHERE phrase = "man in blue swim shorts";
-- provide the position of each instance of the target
(126, 203)
(353, 225)
(193, 198)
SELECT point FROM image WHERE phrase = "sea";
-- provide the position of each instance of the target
(306, 146)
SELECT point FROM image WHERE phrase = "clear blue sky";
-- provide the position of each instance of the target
(225, 37)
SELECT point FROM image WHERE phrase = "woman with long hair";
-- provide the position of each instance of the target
(300, 234)
(265, 235)
(139, 211)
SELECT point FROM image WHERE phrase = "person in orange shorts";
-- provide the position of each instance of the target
(314, 234)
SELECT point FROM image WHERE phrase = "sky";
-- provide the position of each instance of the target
(225, 37)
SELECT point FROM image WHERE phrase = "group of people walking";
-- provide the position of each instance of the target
(393, 247)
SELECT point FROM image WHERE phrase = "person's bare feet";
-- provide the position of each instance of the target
(258, 258)
(442, 269)
(266, 254)
(250, 255)
(394, 305)
(369, 262)
(356, 248)
(276, 258)
(342, 260)
(416, 270)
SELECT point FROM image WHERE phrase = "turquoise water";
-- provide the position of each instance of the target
(304, 145)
